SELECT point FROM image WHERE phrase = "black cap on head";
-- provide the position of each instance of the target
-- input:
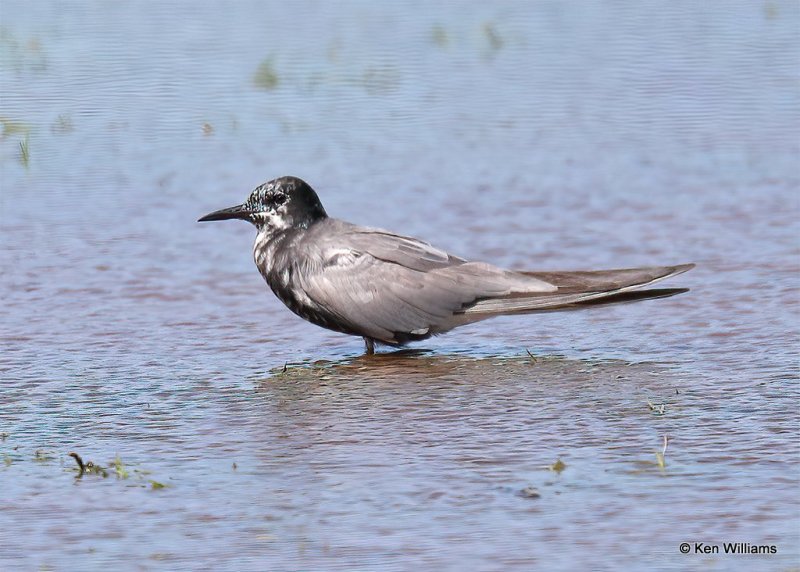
(283, 202)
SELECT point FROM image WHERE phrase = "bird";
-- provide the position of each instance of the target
(392, 289)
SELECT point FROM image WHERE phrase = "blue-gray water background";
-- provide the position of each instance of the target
(553, 135)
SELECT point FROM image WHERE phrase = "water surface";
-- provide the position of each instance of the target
(553, 136)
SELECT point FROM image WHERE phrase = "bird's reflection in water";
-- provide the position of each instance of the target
(407, 366)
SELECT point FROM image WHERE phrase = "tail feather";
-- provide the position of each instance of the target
(607, 280)
(581, 288)
(625, 297)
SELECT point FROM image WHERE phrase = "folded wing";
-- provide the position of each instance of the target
(581, 288)
(397, 289)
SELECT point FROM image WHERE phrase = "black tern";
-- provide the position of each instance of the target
(392, 289)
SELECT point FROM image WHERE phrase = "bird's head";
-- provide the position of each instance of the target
(279, 204)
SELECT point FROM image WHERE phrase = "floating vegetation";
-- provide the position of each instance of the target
(208, 129)
(488, 39)
(7, 460)
(11, 127)
(21, 55)
(439, 36)
(661, 455)
(301, 368)
(42, 456)
(4, 435)
(119, 468)
(657, 409)
(646, 465)
(771, 10)
(384, 78)
(62, 124)
(380, 80)
(530, 492)
(492, 37)
(266, 77)
(24, 153)
(557, 467)
(116, 467)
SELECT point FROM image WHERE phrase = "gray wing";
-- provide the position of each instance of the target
(582, 288)
(395, 288)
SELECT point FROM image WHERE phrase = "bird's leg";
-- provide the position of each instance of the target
(369, 346)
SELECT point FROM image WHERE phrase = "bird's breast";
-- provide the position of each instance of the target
(283, 265)
(279, 267)
(265, 250)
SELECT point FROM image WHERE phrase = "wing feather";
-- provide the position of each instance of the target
(577, 287)
(394, 288)
(382, 285)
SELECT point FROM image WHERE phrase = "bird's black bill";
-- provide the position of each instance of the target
(239, 211)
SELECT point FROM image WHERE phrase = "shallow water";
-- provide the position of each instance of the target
(546, 136)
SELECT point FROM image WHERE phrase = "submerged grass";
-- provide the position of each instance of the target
(661, 455)
(266, 77)
(529, 492)
(11, 127)
(62, 124)
(21, 54)
(493, 37)
(116, 467)
(119, 468)
(439, 36)
(42, 456)
(24, 152)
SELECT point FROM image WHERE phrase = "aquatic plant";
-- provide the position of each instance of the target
(660, 455)
(439, 36)
(266, 77)
(24, 153)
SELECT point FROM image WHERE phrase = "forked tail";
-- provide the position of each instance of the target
(581, 289)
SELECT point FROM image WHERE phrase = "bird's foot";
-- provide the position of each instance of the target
(369, 346)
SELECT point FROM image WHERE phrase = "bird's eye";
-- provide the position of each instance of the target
(278, 200)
